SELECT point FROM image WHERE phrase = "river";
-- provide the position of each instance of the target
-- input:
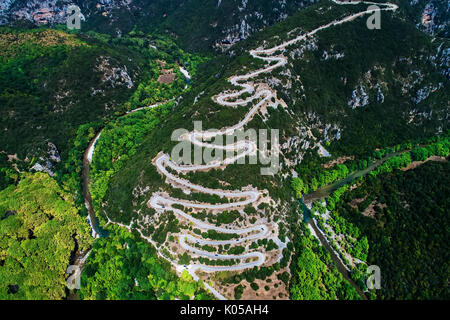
(324, 192)
(329, 189)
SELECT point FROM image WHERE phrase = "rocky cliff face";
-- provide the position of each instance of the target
(251, 16)
(217, 23)
(199, 24)
(37, 12)
(53, 11)
(433, 16)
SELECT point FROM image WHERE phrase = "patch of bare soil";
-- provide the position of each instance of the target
(167, 75)
(167, 78)
(370, 210)
(354, 203)
(269, 289)
(416, 164)
(276, 290)
(340, 160)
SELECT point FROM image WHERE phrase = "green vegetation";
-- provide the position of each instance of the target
(7, 174)
(63, 87)
(323, 178)
(56, 85)
(314, 275)
(214, 235)
(440, 148)
(236, 250)
(164, 57)
(314, 176)
(69, 172)
(238, 291)
(40, 229)
(196, 25)
(377, 124)
(119, 142)
(47, 82)
(374, 237)
(254, 286)
(123, 266)
(407, 233)
(72, 73)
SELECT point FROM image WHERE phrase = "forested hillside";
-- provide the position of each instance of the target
(408, 231)
(364, 143)
(40, 232)
(53, 81)
(376, 211)
(56, 90)
(197, 25)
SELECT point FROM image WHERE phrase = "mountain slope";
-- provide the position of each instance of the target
(198, 25)
(52, 82)
(343, 93)
(325, 95)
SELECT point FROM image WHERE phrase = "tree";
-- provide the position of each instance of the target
(298, 186)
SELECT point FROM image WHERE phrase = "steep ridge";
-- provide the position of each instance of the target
(219, 24)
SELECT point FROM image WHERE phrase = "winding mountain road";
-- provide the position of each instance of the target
(164, 203)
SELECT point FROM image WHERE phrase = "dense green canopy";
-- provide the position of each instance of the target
(39, 230)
